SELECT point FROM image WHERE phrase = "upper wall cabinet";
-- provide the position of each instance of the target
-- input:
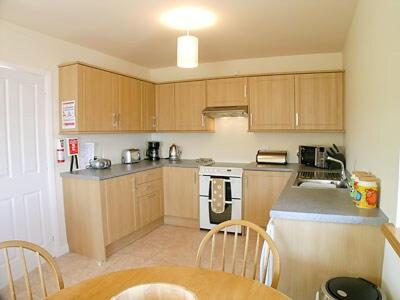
(271, 102)
(190, 101)
(129, 103)
(148, 106)
(319, 101)
(227, 92)
(103, 101)
(165, 107)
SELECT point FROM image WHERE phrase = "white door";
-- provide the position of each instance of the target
(24, 175)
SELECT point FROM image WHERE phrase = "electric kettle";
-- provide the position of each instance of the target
(174, 152)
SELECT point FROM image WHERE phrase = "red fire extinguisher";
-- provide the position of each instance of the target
(60, 150)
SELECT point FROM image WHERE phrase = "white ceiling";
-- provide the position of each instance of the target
(131, 30)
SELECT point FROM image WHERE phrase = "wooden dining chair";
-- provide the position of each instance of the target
(261, 235)
(39, 253)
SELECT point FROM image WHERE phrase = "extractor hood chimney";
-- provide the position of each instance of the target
(225, 111)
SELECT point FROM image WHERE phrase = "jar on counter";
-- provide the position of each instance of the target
(366, 192)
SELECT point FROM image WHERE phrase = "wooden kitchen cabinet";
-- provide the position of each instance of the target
(227, 92)
(165, 107)
(103, 216)
(261, 190)
(181, 196)
(149, 197)
(148, 106)
(271, 104)
(119, 197)
(106, 101)
(190, 101)
(319, 101)
(129, 116)
(312, 252)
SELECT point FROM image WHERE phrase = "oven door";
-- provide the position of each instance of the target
(208, 219)
(235, 185)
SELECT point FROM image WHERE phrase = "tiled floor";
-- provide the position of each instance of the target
(167, 245)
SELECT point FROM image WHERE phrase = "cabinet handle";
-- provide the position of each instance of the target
(297, 119)
(154, 121)
(245, 91)
(114, 120)
(251, 119)
(195, 177)
(119, 119)
(202, 120)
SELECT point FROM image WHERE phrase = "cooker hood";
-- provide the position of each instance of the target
(225, 111)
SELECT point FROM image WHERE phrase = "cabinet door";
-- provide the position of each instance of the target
(227, 92)
(181, 198)
(149, 208)
(129, 100)
(99, 105)
(119, 207)
(165, 107)
(190, 100)
(319, 101)
(261, 190)
(148, 106)
(271, 102)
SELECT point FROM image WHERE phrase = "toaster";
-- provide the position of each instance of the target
(130, 156)
(271, 157)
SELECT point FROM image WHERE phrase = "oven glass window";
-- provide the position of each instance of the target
(222, 217)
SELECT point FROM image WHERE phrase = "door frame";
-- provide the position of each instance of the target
(55, 246)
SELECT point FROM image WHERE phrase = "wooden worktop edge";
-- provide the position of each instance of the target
(392, 234)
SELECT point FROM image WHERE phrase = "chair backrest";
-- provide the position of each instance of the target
(39, 252)
(269, 247)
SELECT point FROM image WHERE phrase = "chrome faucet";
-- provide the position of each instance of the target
(344, 177)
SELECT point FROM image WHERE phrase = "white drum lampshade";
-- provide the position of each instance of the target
(187, 51)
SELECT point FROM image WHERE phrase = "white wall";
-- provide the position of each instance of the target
(231, 142)
(309, 62)
(372, 64)
(27, 48)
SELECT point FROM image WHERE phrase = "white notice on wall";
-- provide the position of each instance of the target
(68, 114)
(86, 153)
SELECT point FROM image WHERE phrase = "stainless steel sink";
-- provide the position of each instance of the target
(320, 183)
(319, 179)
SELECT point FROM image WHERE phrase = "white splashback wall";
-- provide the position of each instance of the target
(231, 141)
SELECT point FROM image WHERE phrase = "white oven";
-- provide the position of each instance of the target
(233, 196)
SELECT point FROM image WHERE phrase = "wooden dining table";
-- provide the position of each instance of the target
(206, 284)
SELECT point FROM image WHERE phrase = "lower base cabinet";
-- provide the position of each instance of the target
(261, 190)
(104, 216)
(312, 252)
(181, 196)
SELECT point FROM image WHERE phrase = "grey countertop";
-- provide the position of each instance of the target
(121, 169)
(322, 205)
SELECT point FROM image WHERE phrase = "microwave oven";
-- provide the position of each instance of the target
(314, 156)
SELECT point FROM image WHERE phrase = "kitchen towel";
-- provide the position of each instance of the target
(218, 195)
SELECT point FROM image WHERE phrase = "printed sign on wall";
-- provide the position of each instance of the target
(68, 114)
(73, 146)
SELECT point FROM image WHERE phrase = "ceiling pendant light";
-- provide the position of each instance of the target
(187, 51)
(188, 18)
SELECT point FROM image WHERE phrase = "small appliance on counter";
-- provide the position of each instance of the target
(99, 163)
(153, 150)
(271, 157)
(174, 152)
(317, 156)
(130, 156)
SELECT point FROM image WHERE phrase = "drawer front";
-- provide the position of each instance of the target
(149, 175)
(148, 188)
